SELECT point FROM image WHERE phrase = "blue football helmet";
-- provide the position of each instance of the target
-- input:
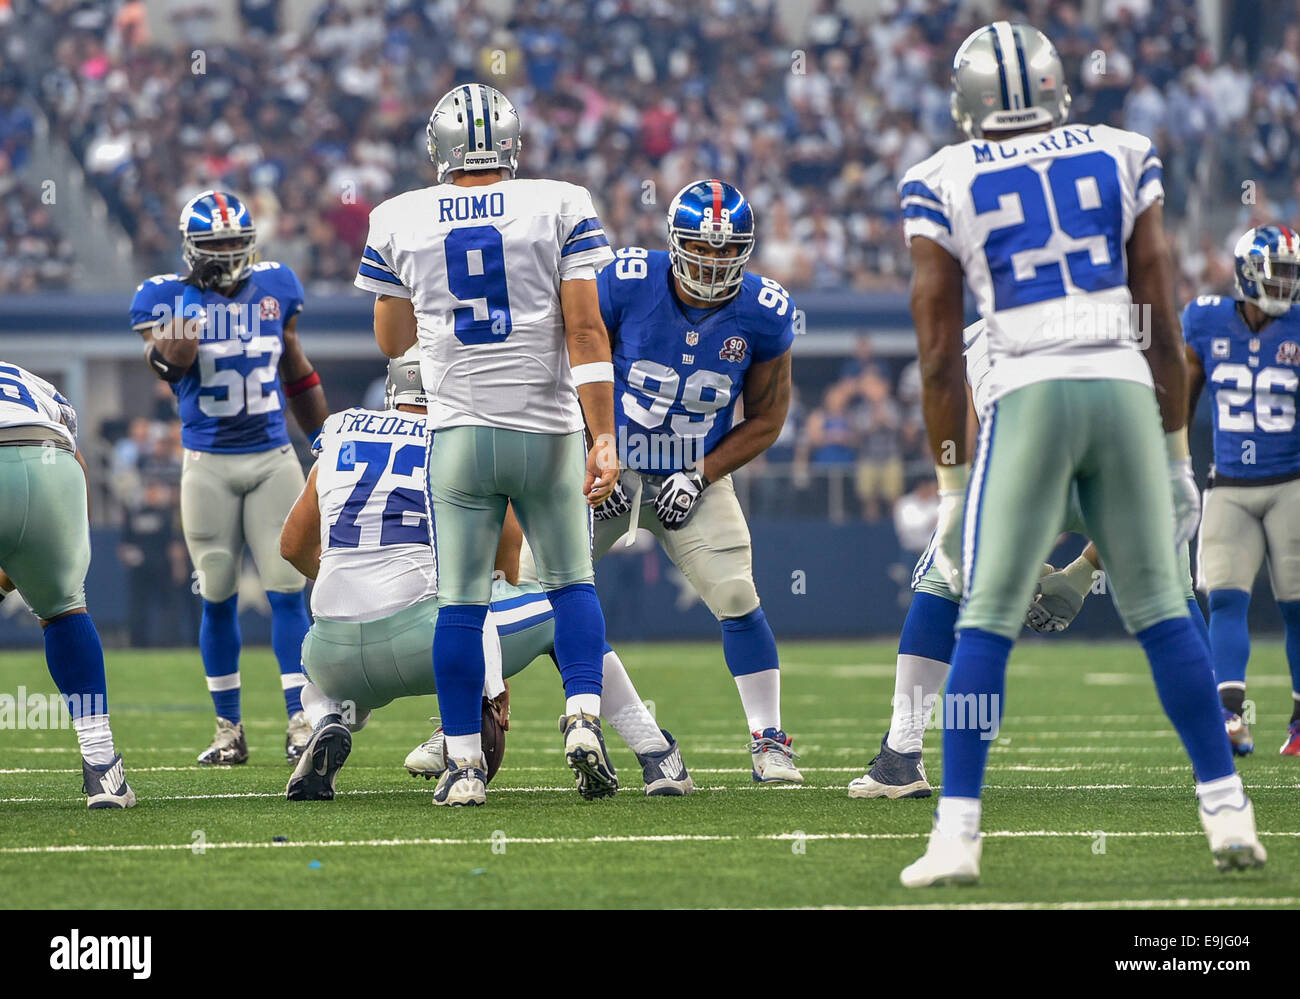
(1268, 268)
(215, 217)
(716, 213)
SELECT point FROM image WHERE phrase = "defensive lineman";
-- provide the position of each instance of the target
(232, 369)
(495, 278)
(1071, 405)
(45, 552)
(360, 530)
(692, 333)
(1246, 353)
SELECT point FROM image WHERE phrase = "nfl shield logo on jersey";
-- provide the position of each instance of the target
(1220, 347)
(692, 338)
(269, 308)
(1288, 352)
(733, 349)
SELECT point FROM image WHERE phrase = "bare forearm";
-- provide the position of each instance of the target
(396, 330)
(310, 409)
(742, 445)
(597, 399)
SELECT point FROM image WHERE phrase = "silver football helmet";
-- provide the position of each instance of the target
(404, 386)
(473, 127)
(1007, 77)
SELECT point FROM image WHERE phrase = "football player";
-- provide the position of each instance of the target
(361, 531)
(45, 552)
(224, 337)
(1072, 404)
(495, 277)
(693, 333)
(1246, 352)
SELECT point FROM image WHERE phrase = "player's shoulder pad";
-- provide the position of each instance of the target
(1206, 312)
(156, 290)
(330, 428)
(765, 307)
(972, 332)
(389, 215)
(926, 178)
(1120, 137)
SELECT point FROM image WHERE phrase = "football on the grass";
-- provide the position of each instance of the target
(494, 739)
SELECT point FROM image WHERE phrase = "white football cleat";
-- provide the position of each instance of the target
(1232, 836)
(429, 758)
(463, 783)
(947, 860)
(297, 736)
(773, 759)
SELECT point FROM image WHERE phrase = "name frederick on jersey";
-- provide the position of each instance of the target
(378, 423)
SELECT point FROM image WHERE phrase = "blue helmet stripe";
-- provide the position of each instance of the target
(1002, 69)
(1024, 73)
(487, 117)
(469, 120)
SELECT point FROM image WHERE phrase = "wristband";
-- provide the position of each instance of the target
(596, 371)
(301, 385)
(1079, 574)
(952, 478)
(1176, 445)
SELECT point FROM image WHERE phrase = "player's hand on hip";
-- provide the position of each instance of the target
(678, 497)
(615, 506)
(1187, 501)
(602, 471)
(948, 532)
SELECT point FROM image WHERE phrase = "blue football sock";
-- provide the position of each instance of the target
(579, 638)
(458, 667)
(748, 644)
(1202, 629)
(1229, 636)
(289, 624)
(1291, 620)
(928, 630)
(1185, 683)
(219, 644)
(975, 689)
(76, 662)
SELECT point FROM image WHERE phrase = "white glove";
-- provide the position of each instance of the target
(615, 505)
(1182, 481)
(1060, 596)
(677, 498)
(948, 532)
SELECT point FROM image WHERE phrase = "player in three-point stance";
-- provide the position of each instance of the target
(1246, 354)
(495, 278)
(692, 334)
(224, 336)
(45, 552)
(1072, 405)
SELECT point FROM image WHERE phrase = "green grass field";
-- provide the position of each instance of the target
(1084, 750)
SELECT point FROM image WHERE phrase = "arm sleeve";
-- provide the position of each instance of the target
(583, 242)
(377, 271)
(923, 202)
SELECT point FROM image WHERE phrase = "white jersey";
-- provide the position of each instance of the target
(482, 267)
(1039, 224)
(376, 554)
(975, 348)
(29, 401)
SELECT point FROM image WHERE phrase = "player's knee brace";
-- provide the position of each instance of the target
(732, 598)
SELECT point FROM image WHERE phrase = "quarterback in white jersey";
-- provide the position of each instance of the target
(494, 277)
(1058, 230)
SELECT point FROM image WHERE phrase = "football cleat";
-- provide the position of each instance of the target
(664, 772)
(948, 860)
(429, 758)
(297, 737)
(464, 782)
(229, 746)
(892, 775)
(1243, 743)
(772, 758)
(106, 786)
(584, 751)
(1233, 840)
(322, 758)
(1292, 745)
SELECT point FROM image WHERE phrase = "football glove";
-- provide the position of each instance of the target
(205, 274)
(1182, 481)
(615, 505)
(1060, 596)
(948, 532)
(677, 498)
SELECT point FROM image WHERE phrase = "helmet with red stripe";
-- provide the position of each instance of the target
(1268, 268)
(216, 226)
(716, 214)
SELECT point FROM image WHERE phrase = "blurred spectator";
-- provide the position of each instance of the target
(915, 516)
(880, 463)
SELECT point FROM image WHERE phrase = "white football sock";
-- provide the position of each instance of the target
(1224, 791)
(586, 703)
(626, 711)
(760, 696)
(465, 747)
(316, 705)
(957, 817)
(96, 739)
(917, 681)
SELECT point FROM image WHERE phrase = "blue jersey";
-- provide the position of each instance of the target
(1252, 380)
(677, 379)
(231, 400)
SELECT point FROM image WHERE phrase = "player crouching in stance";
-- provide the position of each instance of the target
(45, 552)
(1246, 354)
(233, 370)
(360, 529)
(692, 333)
